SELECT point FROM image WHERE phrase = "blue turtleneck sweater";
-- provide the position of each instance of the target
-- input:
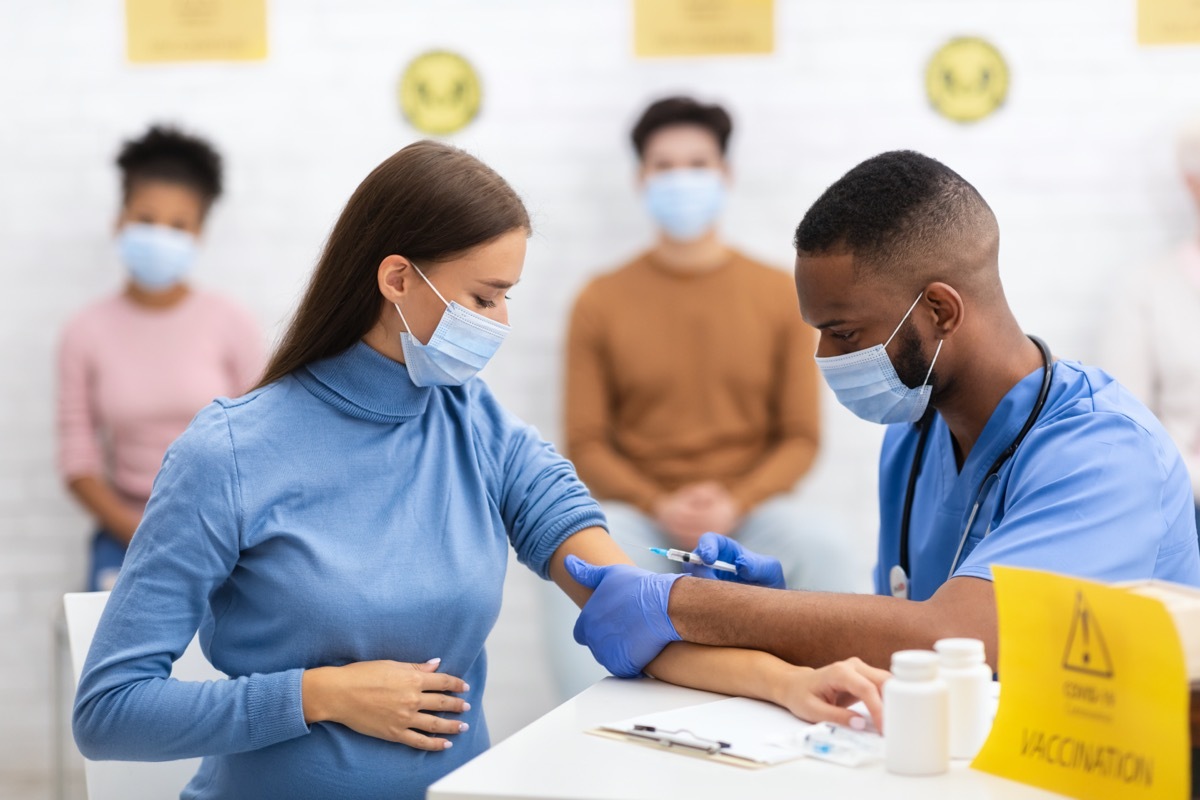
(340, 514)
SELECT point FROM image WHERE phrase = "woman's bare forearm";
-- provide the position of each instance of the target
(810, 694)
(727, 670)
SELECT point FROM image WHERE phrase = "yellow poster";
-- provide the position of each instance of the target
(1168, 21)
(195, 30)
(1094, 697)
(703, 27)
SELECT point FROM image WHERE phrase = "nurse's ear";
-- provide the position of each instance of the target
(396, 277)
(943, 306)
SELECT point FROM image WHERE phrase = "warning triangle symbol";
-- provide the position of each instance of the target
(1086, 649)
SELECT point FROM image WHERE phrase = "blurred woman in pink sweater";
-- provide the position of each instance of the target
(135, 367)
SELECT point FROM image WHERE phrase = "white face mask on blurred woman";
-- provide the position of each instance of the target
(156, 256)
(158, 231)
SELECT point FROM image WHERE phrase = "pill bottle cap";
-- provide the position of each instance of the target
(915, 665)
(957, 653)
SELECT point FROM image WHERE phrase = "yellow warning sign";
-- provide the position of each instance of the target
(195, 30)
(703, 27)
(440, 92)
(1095, 699)
(1168, 22)
(1086, 650)
(967, 79)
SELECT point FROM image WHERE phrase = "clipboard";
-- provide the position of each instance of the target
(737, 731)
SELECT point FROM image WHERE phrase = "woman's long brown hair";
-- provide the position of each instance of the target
(429, 203)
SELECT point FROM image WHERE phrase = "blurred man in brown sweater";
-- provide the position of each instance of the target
(691, 392)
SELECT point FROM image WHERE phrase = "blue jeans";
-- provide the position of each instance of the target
(107, 556)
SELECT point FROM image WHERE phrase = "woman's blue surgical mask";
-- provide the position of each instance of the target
(866, 382)
(461, 345)
(156, 256)
(685, 202)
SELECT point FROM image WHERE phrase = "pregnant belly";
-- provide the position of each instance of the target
(334, 761)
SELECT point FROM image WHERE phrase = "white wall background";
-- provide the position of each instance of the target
(1078, 167)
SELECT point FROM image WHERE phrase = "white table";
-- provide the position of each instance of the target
(554, 758)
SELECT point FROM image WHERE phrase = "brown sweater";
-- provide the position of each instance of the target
(676, 378)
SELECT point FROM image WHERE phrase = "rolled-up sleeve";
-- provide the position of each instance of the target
(541, 499)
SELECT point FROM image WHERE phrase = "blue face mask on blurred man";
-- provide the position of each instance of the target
(156, 256)
(685, 202)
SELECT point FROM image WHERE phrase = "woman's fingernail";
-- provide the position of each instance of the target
(462, 726)
(858, 723)
(466, 706)
(466, 687)
(434, 661)
(447, 745)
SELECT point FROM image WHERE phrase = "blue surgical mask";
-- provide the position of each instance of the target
(461, 345)
(156, 256)
(685, 202)
(866, 382)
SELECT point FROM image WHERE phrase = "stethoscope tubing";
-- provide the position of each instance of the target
(918, 456)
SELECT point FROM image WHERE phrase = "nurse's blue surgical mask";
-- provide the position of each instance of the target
(156, 256)
(461, 345)
(685, 202)
(866, 382)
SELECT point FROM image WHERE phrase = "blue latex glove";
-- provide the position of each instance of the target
(752, 568)
(625, 622)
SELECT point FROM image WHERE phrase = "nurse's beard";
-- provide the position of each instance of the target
(911, 364)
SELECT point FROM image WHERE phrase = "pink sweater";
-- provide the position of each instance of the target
(131, 379)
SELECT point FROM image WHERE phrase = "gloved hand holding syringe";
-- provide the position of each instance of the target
(723, 558)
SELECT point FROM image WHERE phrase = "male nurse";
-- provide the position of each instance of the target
(897, 268)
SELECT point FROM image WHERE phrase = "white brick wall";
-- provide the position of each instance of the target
(1077, 166)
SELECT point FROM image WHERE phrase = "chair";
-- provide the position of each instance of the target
(125, 780)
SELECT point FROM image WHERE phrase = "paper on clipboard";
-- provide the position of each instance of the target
(739, 731)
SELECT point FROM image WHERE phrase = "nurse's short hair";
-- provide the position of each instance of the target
(902, 214)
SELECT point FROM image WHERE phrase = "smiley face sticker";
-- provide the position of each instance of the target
(966, 79)
(439, 92)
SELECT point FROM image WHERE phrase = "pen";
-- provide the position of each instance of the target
(678, 738)
(692, 558)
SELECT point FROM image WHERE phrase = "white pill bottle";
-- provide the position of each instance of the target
(916, 716)
(969, 680)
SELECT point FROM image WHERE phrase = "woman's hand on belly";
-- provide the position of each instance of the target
(387, 700)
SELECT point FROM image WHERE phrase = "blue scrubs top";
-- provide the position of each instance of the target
(1096, 490)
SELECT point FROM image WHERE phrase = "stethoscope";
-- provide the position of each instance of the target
(898, 576)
